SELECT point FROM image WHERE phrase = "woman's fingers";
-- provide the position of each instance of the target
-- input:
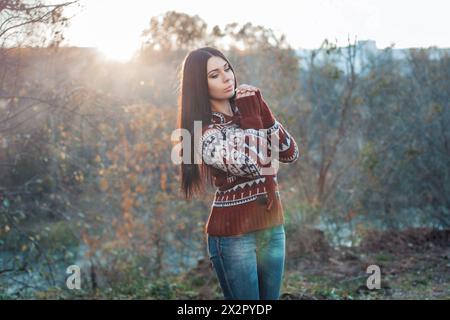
(244, 94)
(246, 87)
(245, 90)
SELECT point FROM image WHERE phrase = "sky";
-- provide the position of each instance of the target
(114, 26)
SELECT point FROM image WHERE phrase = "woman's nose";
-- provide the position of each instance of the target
(227, 78)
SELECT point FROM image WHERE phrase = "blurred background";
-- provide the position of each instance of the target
(88, 102)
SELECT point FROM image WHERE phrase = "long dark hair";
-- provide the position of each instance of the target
(194, 105)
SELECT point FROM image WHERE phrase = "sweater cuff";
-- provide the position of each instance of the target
(268, 118)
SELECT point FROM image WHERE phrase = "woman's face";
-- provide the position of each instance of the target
(220, 79)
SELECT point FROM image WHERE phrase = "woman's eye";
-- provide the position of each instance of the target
(215, 76)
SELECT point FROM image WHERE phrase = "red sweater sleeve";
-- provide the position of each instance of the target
(283, 141)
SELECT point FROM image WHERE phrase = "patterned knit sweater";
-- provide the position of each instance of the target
(239, 204)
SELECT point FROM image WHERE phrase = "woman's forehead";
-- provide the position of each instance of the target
(215, 63)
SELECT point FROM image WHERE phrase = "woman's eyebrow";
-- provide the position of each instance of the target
(217, 68)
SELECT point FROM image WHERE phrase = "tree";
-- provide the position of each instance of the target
(21, 20)
(174, 31)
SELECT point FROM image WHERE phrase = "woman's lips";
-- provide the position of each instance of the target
(230, 88)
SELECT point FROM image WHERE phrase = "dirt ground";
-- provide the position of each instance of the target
(414, 264)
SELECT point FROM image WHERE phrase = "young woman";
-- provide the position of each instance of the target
(245, 230)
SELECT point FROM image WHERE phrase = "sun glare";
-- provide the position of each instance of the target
(116, 51)
(114, 30)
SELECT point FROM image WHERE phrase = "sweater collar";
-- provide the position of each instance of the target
(219, 117)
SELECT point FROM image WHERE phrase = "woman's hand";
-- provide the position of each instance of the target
(249, 108)
(245, 90)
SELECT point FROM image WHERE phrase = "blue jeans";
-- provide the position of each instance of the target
(249, 266)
